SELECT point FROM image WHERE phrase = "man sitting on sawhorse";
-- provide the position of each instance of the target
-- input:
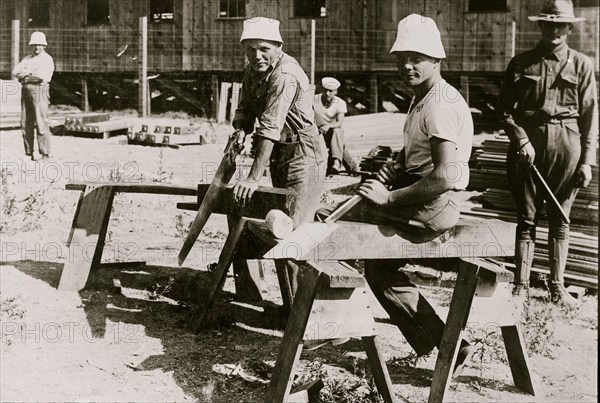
(424, 180)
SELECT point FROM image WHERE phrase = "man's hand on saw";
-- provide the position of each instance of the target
(390, 173)
(374, 191)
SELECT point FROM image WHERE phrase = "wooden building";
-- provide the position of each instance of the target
(200, 38)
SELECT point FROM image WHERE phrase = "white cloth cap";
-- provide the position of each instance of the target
(330, 83)
(38, 38)
(261, 28)
(419, 34)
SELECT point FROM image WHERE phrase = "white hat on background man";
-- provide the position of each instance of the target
(261, 28)
(330, 83)
(419, 34)
(38, 38)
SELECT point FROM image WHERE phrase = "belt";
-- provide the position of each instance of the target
(558, 121)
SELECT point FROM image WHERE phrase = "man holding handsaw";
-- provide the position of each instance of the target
(550, 111)
(277, 97)
(420, 187)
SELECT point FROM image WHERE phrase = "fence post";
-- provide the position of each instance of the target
(143, 67)
(14, 48)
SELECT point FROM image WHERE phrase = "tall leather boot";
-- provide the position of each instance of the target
(523, 259)
(557, 253)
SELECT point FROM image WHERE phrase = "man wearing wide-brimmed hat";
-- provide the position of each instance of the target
(276, 105)
(35, 72)
(550, 110)
(422, 184)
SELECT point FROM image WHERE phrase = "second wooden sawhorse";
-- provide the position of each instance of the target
(348, 241)
(92, 215)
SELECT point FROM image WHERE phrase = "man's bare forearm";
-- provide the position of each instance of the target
(264, 148)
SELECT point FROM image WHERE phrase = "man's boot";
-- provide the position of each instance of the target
(523, 259)
(557, 253)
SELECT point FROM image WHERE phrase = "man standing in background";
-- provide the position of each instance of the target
(35, 73)
(550, 111)
(330, 111)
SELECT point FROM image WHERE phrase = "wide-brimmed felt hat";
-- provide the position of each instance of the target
(261, 28)
(557, 11)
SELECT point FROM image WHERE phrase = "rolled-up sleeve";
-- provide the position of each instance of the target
(280, 97)
(588, 114)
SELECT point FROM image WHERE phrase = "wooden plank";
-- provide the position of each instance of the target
(351, 240)
(460, 306)
(263, 200)
(341, 275)
(517, 358)
(379, 369)
(291, 343)
(235, 96)
(223, 102)
(219, 274)
(88, 236)
(329, 316)
(143, 67)
(133, 187)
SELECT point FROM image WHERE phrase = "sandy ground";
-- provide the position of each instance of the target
(97, 345)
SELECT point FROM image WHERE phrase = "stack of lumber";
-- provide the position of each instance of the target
(167, 132)
(488, 172)
(92, 124)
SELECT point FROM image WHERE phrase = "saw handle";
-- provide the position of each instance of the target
(236, 142)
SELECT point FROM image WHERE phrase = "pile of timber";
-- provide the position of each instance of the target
(92, 124)
(488, 173)
(167, 132)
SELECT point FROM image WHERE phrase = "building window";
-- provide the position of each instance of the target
(161, 10)
(98, 12)
(38, 13)
(232, 8)
(476, 6)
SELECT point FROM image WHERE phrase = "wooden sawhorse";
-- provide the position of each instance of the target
(477, 278)
(92, 215)
(88, 232)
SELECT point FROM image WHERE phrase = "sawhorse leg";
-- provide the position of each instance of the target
(460, 306)
(291, 343)
(218, 275)
(326, 293)
(88, 234)
(517, 358)
(480, 278)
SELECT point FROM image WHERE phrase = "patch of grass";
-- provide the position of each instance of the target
(161, 175)
(158, 290)
(9, 309)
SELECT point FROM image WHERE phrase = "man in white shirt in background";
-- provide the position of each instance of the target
(35, 72)
(329, 117)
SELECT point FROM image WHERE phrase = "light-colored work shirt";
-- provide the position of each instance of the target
(41, 65)
(442, 113)
(282, 101)
(327, 115)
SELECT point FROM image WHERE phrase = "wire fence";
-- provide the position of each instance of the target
(106, 49)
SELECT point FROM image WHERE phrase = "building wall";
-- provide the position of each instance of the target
(355, 37)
